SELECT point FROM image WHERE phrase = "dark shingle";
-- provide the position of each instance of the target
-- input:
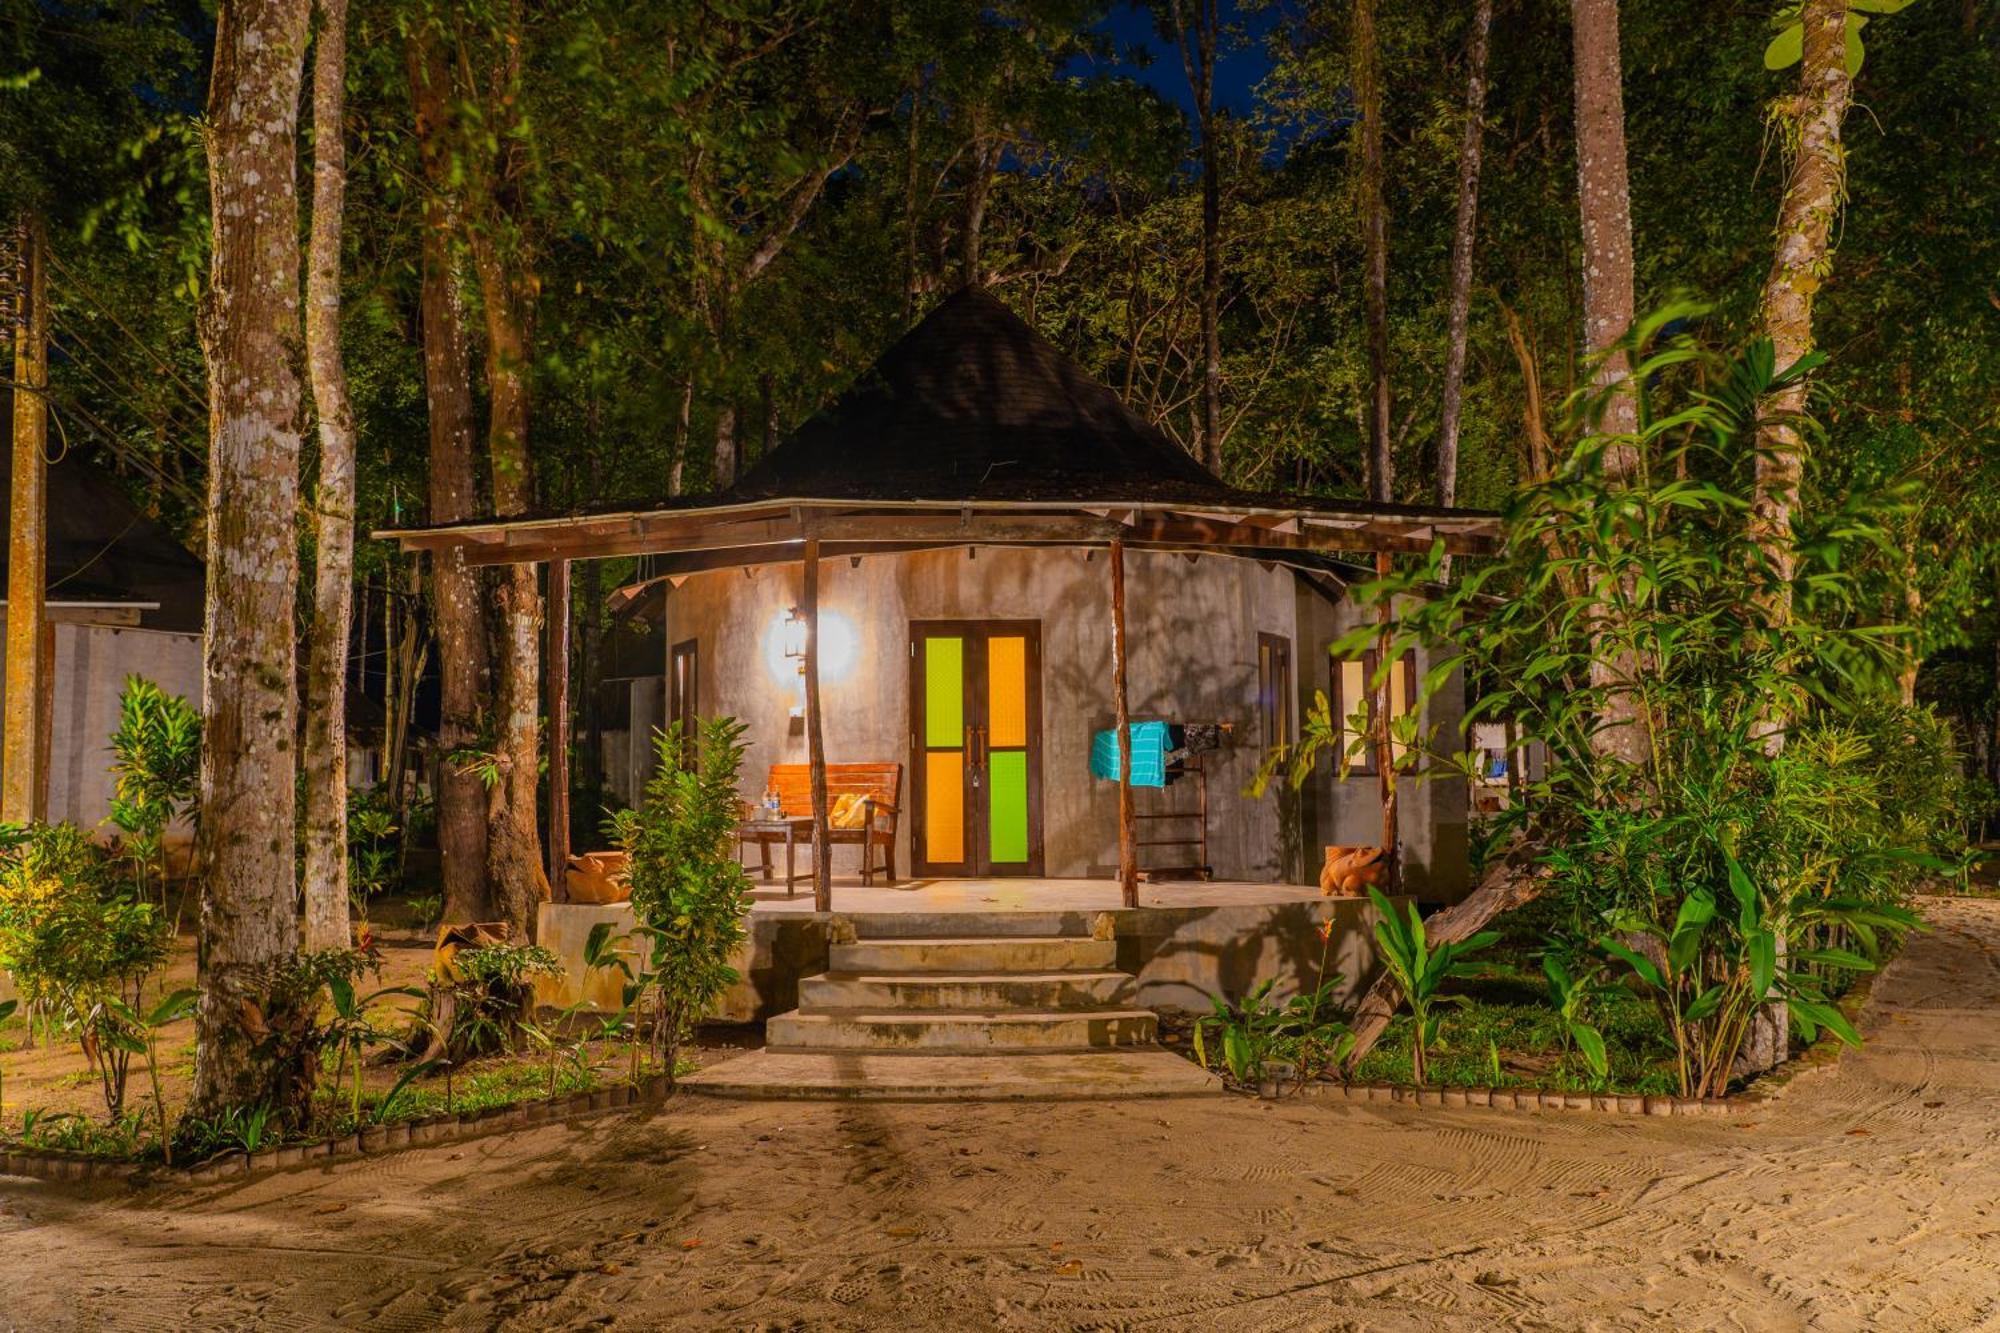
(973, 404)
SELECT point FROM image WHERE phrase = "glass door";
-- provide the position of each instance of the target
(975, 743)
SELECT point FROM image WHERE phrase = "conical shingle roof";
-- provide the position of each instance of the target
(973, 404)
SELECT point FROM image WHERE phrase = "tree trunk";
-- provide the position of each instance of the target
(1199, 62)
(1375, 244)
(326, 918)
(590, 672)
(459, 621)
(683, 419)
(1464, 233)
(513, 839)
(725, 446)
(1813, 193)
(767, 399)
(250, 338)
(1803, 256)
(1605, 207)
(24, 798)
(985, 161)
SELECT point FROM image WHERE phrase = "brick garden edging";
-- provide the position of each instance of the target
(52, 1164)
(1822, 1057)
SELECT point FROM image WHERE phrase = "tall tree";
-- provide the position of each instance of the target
(457, 609)
(494, 165)
(1464, 232)
(250, 337)
(325, 868)
(1814, 189)
(1605, 203)
(1375, 246)
(1605, 206)
(1197, 42)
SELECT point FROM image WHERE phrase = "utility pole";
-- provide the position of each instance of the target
(24, 779)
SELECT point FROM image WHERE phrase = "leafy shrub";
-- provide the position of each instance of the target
(690, 895)
(78, 943)
(1752, 840)
(156, 773)
(491, 991)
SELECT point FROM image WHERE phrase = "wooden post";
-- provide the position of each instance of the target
(1385, 749)
(558, 705)
(1128, 837)
(815, 738)
(24, 737)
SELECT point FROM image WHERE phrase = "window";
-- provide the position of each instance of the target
(1274, 690)
(1351, 697)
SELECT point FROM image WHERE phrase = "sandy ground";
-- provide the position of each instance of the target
(1867, 1198)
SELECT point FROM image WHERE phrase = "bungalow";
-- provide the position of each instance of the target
(944, 599)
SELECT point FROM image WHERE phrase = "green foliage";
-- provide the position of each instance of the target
(1572, 988)
(1767, 815)
(78, 944)
(492, 990)
(156, 773)
(1421, 969)
(1788, 47)
(373, 850)
(1254, 1034)
(690, 895)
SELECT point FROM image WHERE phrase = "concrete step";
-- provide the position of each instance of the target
(855, 1075)
(983, 954)
(963, 1032)
(954, 924)
(966, 990)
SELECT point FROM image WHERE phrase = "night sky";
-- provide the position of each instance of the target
(1239, 68)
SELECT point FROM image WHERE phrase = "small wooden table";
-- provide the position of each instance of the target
(764, 830)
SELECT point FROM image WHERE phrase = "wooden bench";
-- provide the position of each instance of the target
(880, 787)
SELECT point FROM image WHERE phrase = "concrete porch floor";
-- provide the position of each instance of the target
(1021, 895)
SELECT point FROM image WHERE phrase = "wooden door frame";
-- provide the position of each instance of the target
(689, 648)
(978, 834)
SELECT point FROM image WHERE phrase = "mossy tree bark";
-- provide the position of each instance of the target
(251, 340)
(326, 917)
(460, 626)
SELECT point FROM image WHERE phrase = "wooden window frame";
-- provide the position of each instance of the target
(1277, 708)
(1344, 707)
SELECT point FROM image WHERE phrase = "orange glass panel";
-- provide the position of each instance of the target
(1007, 692)
(1353, 700)
(944, 807)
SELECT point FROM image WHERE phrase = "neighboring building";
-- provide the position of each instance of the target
(124, 599)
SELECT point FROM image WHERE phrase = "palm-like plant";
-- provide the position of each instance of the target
(139, 1034)
(1420, 971)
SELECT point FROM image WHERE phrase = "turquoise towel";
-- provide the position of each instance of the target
(1149, 754)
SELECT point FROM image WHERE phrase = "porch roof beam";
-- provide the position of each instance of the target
(724, 527)
(778, 537)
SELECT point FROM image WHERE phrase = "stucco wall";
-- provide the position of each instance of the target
(91, 665)
(1431, 814)
(1193, 626)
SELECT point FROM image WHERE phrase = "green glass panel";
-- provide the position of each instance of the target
(944, 693)
(1007, 800)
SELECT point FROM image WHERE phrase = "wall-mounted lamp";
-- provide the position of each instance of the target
(794, 632)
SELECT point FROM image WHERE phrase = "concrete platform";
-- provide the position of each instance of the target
(857, 1076)
(1185, 942)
